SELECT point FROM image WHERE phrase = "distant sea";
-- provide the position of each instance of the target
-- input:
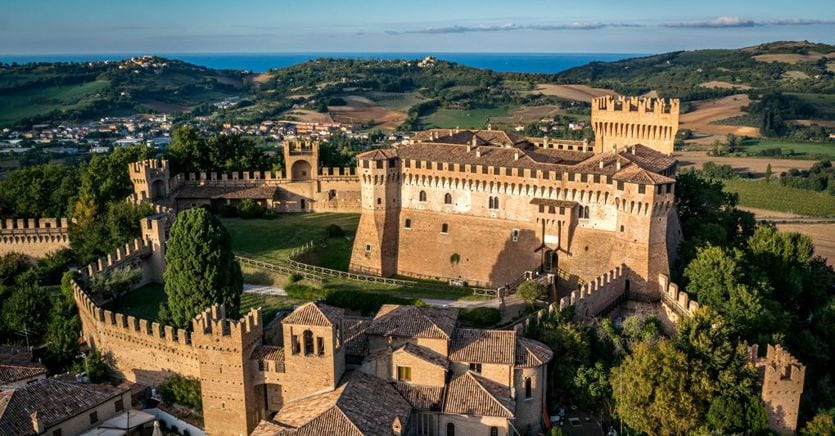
(260, 62)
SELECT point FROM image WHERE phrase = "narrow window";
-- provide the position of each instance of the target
(586, 212)
(450, 429)
(365, 164)
(379, 164)
(422, 196)
(308, 342)
(494, 431)
(444, 228)
(94, 417)
(368, 248)
(404, 373)
(642, 189)
(379, 200)
(260, 365)
(119, 405)
(475, 367)
(320, 345)
(296, 345)
(528, 387)
(514, 235)
(408, 224)
(448, 198)
(56, 432)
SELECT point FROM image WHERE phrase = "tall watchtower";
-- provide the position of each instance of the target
(782, 376)
(619, 122)
(230, 401)
(150, 179)
(375, 245)
(301, 161)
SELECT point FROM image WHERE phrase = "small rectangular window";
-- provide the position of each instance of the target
(514, 235)
(408, 223)
(296, 345)
(508, 171)
(260, 365)
(408, 163)
(56, 432)
(379, 164)
(320, 345)
(368, 248)
(404, 373)
(417, 164)
(642, 189)
(428, 165)
(94, 417)
(119, 405)
(365, 164)
(620, 186)
(483, 169)
(475, 367)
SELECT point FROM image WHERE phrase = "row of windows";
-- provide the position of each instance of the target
(450, 430)
(307, 338)
(408, 225)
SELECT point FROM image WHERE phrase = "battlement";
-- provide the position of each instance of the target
(676, 299)
(213, 322)
(619, 103)
(123, 256)
(33, 225)
(596, 295)
(149, 164)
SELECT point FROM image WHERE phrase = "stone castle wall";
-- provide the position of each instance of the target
(34, 237)
(599, 294)
(782, 377)
(622, 121)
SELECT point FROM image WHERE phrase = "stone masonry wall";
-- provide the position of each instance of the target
(34, 237)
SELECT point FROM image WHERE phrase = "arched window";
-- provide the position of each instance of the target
(528, 387)
(422, 196)
(448, 198)
(408, 224)
(308, 342)
(450, 429)
(493, 203)
(494, 431)
(444, 228)
(586, 212)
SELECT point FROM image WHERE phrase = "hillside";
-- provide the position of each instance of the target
(32, 93)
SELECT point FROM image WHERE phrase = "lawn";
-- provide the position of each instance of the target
(20, 105)
(273, 240)
(774, 196)
(789, 148)
(142, 303)
(465, 119)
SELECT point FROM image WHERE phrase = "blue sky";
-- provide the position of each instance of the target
(607, 26)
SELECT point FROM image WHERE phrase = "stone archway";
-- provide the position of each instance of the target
(300, 170)
(157, 190)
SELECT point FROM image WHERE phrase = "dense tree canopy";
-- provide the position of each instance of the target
(191, 151)
(38, 191)
(201, 269)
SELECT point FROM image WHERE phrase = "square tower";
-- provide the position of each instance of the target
(619, 122)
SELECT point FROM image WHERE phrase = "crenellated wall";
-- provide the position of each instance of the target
(782, 378)
(34, 237)
(599, 294)
(619, 122)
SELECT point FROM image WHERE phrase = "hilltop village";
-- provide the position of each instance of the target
(594, 221)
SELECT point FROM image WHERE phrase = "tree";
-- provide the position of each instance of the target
(768, 173)
(38, 191)
(651, 390)
(105, 178)
(189, 151)
(823, 423)
(201, 269)
(114, 283)
(26, 307)
(531, 290)
(185, 391)
(64, 325)
(94, 365)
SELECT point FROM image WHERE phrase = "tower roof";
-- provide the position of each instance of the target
(315, 314)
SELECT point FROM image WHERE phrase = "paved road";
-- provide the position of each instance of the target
(264, 290)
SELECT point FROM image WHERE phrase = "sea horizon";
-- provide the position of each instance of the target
(507, 62)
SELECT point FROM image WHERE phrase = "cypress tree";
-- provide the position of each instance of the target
(201, 269)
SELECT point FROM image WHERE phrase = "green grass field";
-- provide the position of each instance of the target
(795, 149)
(142, 303)
(774, 196)
(272, 240)
(465, 119)
(824, 103)
(29, 103)
(396, 101)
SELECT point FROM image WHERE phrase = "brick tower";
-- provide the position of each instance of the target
(314, 358)
(375, 245)
(619, 122)
(150, 179)
(782, 377)
(230, 402)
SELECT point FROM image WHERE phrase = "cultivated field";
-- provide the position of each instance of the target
(773, 196)
(363, 110)
(793, 58)
(705, 112)
(800, 149)
(465, 119)
(572, 92)
(717, 84)
(309, 116)
(752, 165)
(28, 103)
(822, 234)
(528, 114)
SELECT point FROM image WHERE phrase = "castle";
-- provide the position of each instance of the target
(483, 207)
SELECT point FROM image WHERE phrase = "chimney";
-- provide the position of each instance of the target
(37, 422)
(469, 148)
(617, 164)
(545, 142)
(516, 155)
(601, 164)
(475, 140)
(457, 129)
(478, 152)
(633, 149)
(490, 126)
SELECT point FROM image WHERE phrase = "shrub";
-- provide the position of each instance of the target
(530, 291)
(334, 231)
(185, 391)
(480, 317)
(94, 365)
(248, 209)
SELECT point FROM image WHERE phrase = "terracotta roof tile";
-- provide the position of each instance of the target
(268, 352)
(361, 405)
(53, 399)
(421, 396)
(230, 192)
(414, 322)
(12, 373)
(483, 346)
(470, 394)
(531, 353)
(315, 314)
(424, 354)
(354, 337)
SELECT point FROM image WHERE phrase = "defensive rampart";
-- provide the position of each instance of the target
(34, 237)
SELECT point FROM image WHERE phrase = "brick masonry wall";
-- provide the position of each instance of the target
(34, 237)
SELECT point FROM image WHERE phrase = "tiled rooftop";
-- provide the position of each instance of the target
(315, 314)
(471, 394)
(413, 321)
(483, 346)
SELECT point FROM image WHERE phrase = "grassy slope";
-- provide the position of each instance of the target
(17, 106)
(274, 239)
(790, 148)
(466, 119)
(773, 196)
